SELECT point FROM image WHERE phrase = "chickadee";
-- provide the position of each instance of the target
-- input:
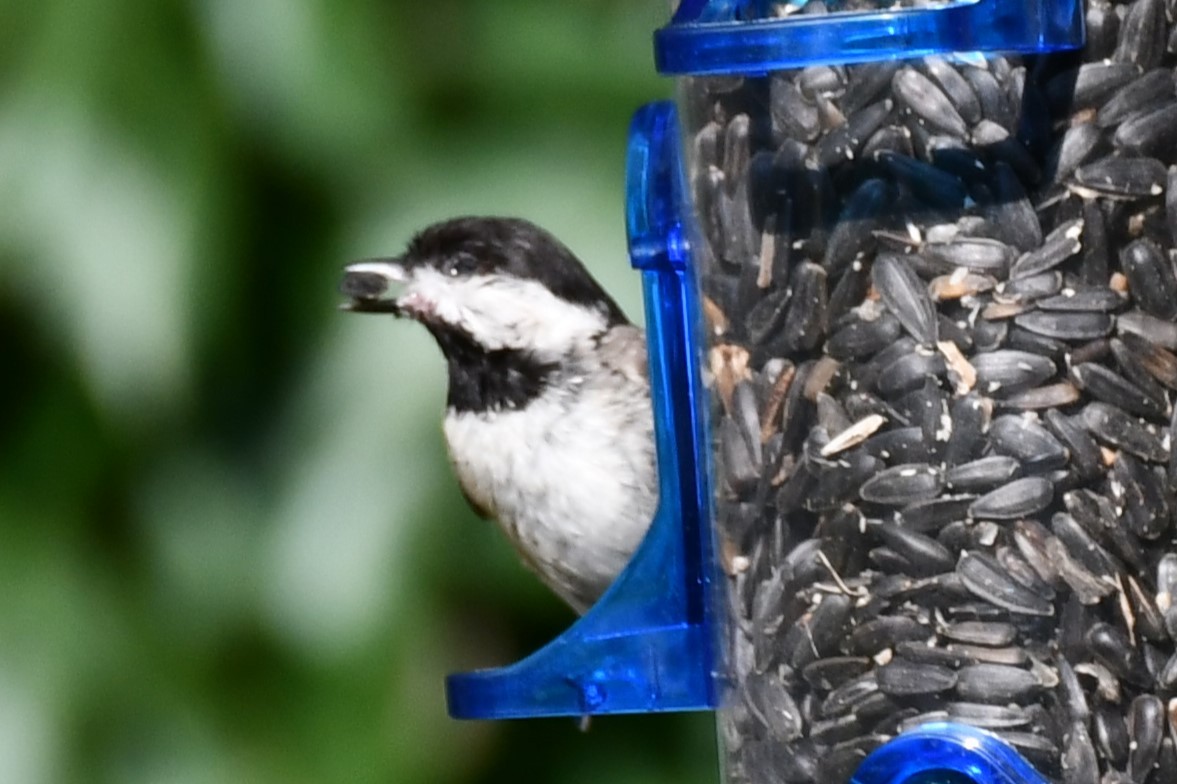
(548, 420)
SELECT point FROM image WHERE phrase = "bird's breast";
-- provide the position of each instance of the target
(570, 478)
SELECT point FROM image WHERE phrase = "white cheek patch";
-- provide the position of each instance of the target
(504, 312)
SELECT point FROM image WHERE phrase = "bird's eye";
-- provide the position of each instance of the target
(461, 264)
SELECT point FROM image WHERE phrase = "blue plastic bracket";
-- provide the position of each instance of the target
(649, 643)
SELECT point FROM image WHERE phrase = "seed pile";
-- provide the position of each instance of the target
(942, 314)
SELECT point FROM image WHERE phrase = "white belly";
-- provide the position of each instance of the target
(574, 494)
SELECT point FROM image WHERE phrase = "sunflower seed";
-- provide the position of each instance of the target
(1082, 546)
(903, 484)
(1014, 216)
(1111, 648)
(793, 115)
(988, 633)
(1095, 298)
(899, 445)
(1077, 146)
(996, 684)
(837, 730)
(863, 337)
(926, 555)
(1051, 396)
(906, 297)
(977, 254)
(1018, 498)
(770, 701)
(1090, 588)
(1150, 278)
(1150, 133)
(1071, 694)
(1079, 763)
(1090, 85)
(1006, 371)
(933, 514)
(1150, 328)
(1113, 389)
(970, 422)
(901, 678)
(1020, 571)
(923, 653)
(852, 237)
(986, 716)
(1142, 35)
(1111, 734)
(1150, 623)
(1038, 749)
(1024, 438)
(982, 474)
(1107, 685)
(1134, 351)
(921, 96)
(1066, 326)
(909, 373)
(1120, 178)
(1112, 426)
(1146, 727)
(1060, 245)
(1142, 496)
(884, 632)
(985, 578)
(1143, 369)
(1166, 766)
(830, 673)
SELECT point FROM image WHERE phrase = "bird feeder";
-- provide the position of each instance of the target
(912, 320)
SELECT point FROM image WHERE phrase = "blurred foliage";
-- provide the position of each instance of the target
(230, 547)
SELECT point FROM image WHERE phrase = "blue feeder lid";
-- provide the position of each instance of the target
(748, 37)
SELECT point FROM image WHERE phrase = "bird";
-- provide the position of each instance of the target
(548, 422)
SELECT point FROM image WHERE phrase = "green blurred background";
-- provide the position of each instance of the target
(230, 547)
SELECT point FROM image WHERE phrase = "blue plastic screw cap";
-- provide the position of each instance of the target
(945, 753)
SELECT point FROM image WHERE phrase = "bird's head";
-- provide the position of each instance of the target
(498, 284)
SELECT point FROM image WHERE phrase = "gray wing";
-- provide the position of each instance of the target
(623, 351)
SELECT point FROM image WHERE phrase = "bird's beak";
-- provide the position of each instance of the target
(367, 283)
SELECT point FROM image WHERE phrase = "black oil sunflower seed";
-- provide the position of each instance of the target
(984, 473)
(1006, 371)
(903, 484)
(902, 678)
(1070, 326)
(1121, 178)
(985, 578)
(1019, 498)
(906, 297)
(1150, 278)
(1112, 388)
(1023, 437)
(996, 684)
(921, 96)
(1113, 426)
